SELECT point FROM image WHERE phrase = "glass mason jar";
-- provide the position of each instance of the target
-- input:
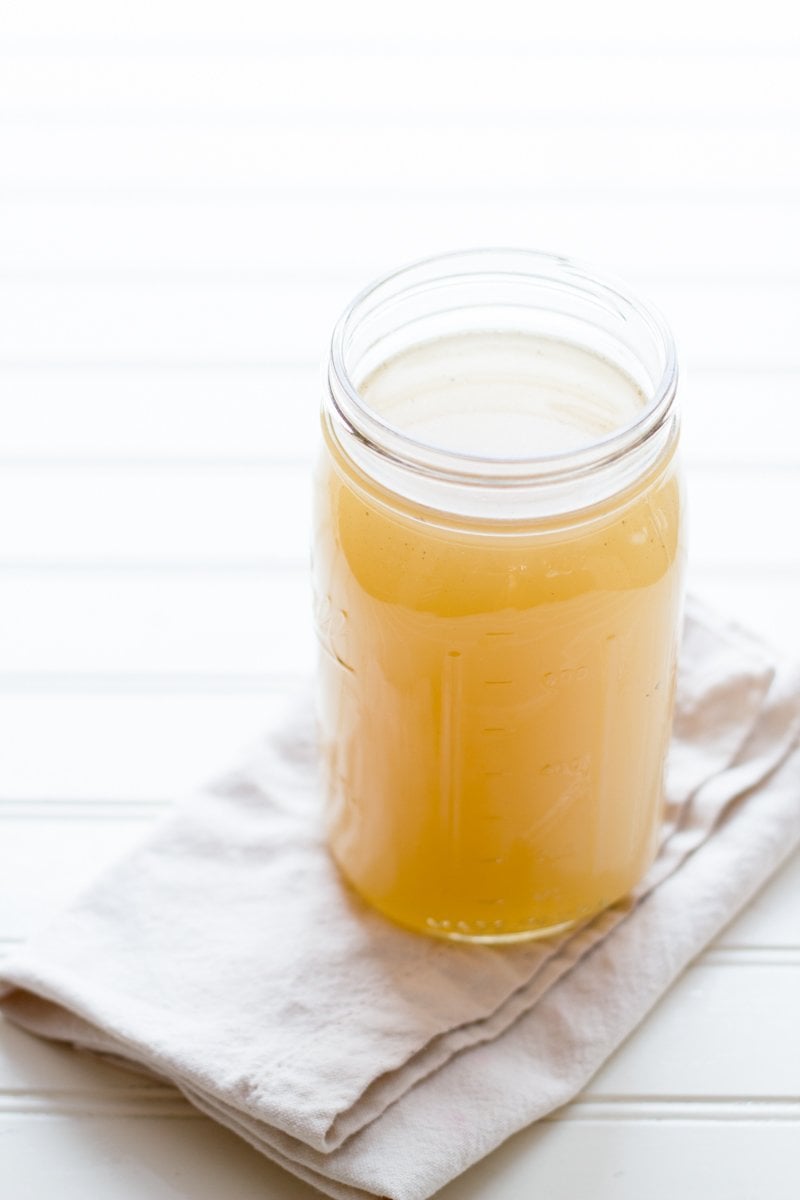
(497, 564)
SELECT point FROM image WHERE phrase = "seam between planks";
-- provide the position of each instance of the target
(164, 1103)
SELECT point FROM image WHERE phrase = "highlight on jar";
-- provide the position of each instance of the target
(498, 563)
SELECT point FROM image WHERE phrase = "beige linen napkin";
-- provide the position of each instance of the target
(225, 955)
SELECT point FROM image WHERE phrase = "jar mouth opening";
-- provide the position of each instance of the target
(481, 287)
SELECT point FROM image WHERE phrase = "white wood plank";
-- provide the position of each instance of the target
(181, 628)
(704, 1039)
(147, 747)
(244, 22)
(732, 517)
(734, 325)
(180, 413)
(513, 82)
(152, 514)
(165, 323)
(320, 232)
(740, 418)
(632, 1159)
(185, 413)
(764, 603)
(577, 153)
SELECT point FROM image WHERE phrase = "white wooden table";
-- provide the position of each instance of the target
(188, 195)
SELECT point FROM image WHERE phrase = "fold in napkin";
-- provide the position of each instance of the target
(225, 955)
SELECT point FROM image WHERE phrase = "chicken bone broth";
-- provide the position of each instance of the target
(495, 695)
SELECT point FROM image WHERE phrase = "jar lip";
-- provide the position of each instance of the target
(392, 442)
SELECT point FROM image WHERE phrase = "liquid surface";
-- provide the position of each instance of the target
(495, 707)
(503, 394)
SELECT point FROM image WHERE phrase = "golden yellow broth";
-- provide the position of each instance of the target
(495, 707)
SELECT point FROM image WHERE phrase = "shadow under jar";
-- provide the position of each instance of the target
(497, 564)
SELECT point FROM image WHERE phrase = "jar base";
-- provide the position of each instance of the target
(497, 939)
(457, 930)
(435, 929)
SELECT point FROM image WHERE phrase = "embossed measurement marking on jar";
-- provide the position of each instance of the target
(565, 677)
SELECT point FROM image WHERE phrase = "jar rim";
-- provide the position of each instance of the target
(395, 444)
